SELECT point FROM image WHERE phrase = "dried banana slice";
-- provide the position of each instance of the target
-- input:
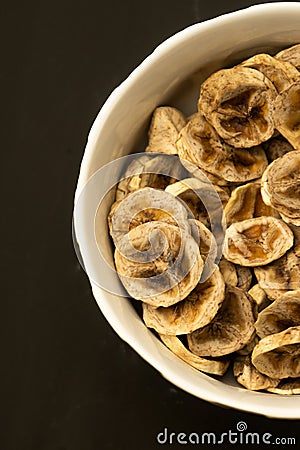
(199, 143)
(249, 377)
(259, 296)
(282, 74)
(230, 330)
(281, 186)
(256, 242)
(246, 203)
(238, 103)
(196, 194)
(149, 171)
(195, 311)
(280, 276)
(158, 263)
(163, 132)
(291, 55)
(287, 114)
(277, 147)
(214, 367)
(142, 206)
(287, 387)
(278, 355)
(280, 315)
(234, 275)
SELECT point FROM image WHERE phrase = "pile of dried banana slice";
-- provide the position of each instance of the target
(240, 306)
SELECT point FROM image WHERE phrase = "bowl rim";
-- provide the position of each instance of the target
(272, 411)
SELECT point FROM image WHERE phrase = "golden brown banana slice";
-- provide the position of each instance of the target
(230, 330)
(281, 73)
(196, 194)
(276, 147)
(249, 377)
(280, 315)
(238, 103)
(145, 205)
(287, 114)
(291, 55)
(163, 132)
(212, 366)
(281, 186)
(278, 355)
(149, 171)
(280, 276)
(246, 203)
(195, 311)
(235, 275)
(257, 242)
(199, 143)
(287, 387)
(158, 263)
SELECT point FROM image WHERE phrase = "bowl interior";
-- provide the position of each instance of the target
(172, 76)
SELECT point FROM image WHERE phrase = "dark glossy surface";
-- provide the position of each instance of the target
(68, 381)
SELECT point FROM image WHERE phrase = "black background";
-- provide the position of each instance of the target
(67, 380)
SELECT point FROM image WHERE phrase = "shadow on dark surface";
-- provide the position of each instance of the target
(69, 382)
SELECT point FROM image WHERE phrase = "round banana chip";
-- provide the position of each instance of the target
(280, 315)
(235, 275)
(291, 55)
(230, 330)
(158, 263)
(257, 242)
(281, 186)
(246, 203)
(195, 311)
(277, 147)
(287, 114)
(214, 367)
(280, 276)
(238, 103)
(142, 206)
(249, 377)
(282, 74)
(148, 171)
(163, 132)
(199, 143)
(287, 387)
(278, 355)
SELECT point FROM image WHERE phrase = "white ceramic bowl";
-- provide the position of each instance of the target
(171, 75)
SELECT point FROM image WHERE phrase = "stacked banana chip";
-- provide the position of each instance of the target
(236, 299)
